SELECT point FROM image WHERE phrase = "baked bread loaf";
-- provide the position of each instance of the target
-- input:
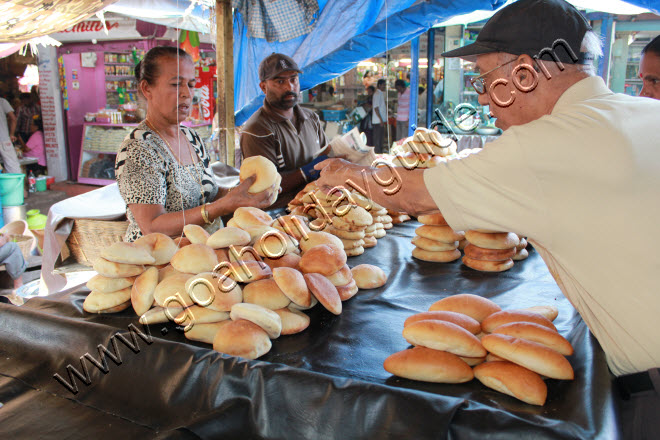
(514, 380)
(368, 276)
(342, 277)
(346, 235)
(205, 332)
(194, 258)
(228, 236)
(323, 258)
(127, 253)
(347, 291)
(425, 364)
(160, 246)
(315, 238)
(196, 234)
(474, 306)
(507, 316)
(460, 319)
(294, 225)
(324, 291)
(244, 271)
(343, 225)
(444, 336)
(207, 290)
(477, 253)
(369, 242)
(536, 333)
(106, 285)
(242, 338)
(440, 233)
(432, 219)
(549, 312)
(293, 321)
(265, 293)
(142, 292)
(432, 245)
(436, 257)
(488, 266)
(265, 171)
(195, 315)
(354, 252)
(288, 260)
(99, 302)
(497, 240)
(171, 292)
(263, 317)
(293, 285)
(247, 217)
(274, 244)
(110, 269)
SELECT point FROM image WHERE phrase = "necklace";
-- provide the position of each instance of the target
(198, 179)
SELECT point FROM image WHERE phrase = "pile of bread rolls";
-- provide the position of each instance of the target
(490, 251)
(238, 288)
(436, 241)
(424, 149)
(466, 336)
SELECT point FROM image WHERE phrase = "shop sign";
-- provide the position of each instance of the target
(118, 28)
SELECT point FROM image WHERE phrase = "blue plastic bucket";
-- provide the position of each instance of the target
(11, 189)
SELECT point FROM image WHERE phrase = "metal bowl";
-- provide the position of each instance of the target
(487, 131)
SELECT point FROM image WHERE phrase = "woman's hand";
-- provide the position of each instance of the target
(239, 196)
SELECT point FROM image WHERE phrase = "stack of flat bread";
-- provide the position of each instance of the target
(435, 240)
(465, 336)
(490, 251)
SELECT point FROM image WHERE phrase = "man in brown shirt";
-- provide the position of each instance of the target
(290, 136)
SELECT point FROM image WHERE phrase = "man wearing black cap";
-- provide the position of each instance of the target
(577, 170)
(282, 131)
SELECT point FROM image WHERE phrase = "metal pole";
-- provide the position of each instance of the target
(430, 56)
(414, 81)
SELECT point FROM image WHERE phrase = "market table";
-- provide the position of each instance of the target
(327, 382)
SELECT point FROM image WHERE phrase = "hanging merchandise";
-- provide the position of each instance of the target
(189, 41)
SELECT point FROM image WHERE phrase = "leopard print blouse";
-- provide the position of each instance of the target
(147, 172)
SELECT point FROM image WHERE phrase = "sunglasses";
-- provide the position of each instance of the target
(479, 82)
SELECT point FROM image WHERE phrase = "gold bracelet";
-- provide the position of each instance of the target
(205, 214)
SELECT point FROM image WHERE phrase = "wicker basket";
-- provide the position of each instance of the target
(24, 242)
(89, 237)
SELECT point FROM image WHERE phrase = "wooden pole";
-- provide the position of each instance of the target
(225, 71)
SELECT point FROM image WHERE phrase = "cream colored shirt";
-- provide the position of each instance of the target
(583, 183)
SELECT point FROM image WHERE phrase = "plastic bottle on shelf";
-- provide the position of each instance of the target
(32, 182)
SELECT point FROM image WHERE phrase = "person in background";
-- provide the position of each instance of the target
(366, 126)
(649, 69)
(12, 257)
(25, 114)
(402, 109)
(568, 174)
(35, 147)
(162, 167)
(7, 138)
(368, 79)
(379, 115)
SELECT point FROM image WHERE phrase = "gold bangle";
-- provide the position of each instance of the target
(205, 214)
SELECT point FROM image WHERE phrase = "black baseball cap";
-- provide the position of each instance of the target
(538, 28)
(274, 64)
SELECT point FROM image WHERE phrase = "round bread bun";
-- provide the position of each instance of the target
(324, 291)
(522, 244)
(477, 253)
(110, 269)
(323, 258)
(474, 306)
(229, 236)
(342, 277)
(432, 245)
(294, 225)
(264, 169)
(196, 234)
(171, 292)
(369, 242)
(342, 225)
(346, 235)
(160, 246)
(355, 215)
(166, 271)
(507, 316)
(288, 260)
(142, 292)
(293, 321)
(247, 217)
(549, 312)
(352, 244)
(99, 302)
(427, 365)
(127, 253)
(315, 238)
(432, 219)
(354, 252)
(436, 257)
(348, 291)
(181, 242)
(460, 319)
(106, 285)
(444, 234)
(265, 293)
(274, 244)
(444, 336)
(293, 285)
(245, 271)
(194, 315)
(242, 338)
(368, 276)
(158, 315)
(244, 253)
(520, 255)
(208, 290)
(205, 332)
(294, 306)
(194, 258)
(488, 266)
(263, 317)
(498, 240)
(531, 355)
(536, 333)
(514, 380)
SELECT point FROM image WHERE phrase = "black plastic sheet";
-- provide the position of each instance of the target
(327, 382)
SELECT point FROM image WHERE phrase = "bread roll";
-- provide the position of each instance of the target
(228, 236)
(127, 253)
(166, 271)
(158, 315)
(348, 291)
(488, 266)
(265, 293)
(507, 316)
(369, 242)
(549, 312)
(209, 291)
(477, 253)
(445, 336)
(352, 244)
(432, 245)
(514, 380)
(436, 257)
(343, 225)
(436, 219)
(440, 233)
(110, 269)
(346, 235)
(263, 317)
(294, 225)
(160, 246)
(293, 321)
(171, 292)
(474, 306)
(460, 319)
(354, 252)
(244, 271)
(293, 285)
(323, 258)
(324, 291)
(288, 260)
(498, 240)
(205, 332)
(315, 238)
(342, 277)
(265, 171)
(536, 333)
(247, 217)
(245, 253)
(196, 234)
(195, 315)
(356, 215)
(116, 309)
(195, 258)
(98, 302)
(242, 338)
(531, 355)
(142, 292)
(425, 364)
(368, 276)
(520, 255)
(106, 285)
